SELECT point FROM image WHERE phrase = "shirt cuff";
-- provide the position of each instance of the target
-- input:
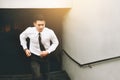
(24, 47)
(48, 51)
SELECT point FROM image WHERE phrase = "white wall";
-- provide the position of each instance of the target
(91, 32)
(103, 71)
(35, 3)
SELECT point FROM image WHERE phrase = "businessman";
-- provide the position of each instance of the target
(40, 45)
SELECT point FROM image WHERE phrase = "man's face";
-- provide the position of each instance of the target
(39, 25)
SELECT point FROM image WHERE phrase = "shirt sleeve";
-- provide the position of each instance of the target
(23, 37)
(54, 44)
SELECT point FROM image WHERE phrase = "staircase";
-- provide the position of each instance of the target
(13, 70)
(56, 75)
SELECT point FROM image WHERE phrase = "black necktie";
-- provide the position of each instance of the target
(42, 48)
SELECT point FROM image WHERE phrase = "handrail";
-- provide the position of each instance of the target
(71, 58)
(89, 64)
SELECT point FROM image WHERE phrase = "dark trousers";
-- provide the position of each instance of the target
(38, 64)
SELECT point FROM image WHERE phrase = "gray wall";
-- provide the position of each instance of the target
(91, 32)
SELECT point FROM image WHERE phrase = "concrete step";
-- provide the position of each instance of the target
(56, 75)
(16, 77)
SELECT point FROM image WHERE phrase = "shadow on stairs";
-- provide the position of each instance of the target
(16, 77)
(56, 75)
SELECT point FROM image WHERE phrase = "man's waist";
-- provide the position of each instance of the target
(32, 54)
(36, 54)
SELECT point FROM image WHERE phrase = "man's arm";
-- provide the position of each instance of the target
(23, 41)
(55, 43)
(52, 48)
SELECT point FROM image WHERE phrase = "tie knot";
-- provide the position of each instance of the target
(39, 34)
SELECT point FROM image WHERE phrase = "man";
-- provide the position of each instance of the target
(40, 45)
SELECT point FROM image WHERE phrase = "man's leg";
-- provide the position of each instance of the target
(38, 66)
(35, 70)
(45, 67)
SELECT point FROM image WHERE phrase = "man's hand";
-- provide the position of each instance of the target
(43, 53)
(27, 52)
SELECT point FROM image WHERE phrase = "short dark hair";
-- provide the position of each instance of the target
(38, 17)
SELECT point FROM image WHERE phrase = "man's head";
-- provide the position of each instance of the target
(39, 23)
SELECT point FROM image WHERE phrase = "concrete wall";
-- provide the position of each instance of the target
(91, 31)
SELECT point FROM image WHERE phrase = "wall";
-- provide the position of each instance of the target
(35, 3)
(91, 31)
(92, 27)
(103, 71)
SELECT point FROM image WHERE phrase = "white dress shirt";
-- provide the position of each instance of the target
(47, 35)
